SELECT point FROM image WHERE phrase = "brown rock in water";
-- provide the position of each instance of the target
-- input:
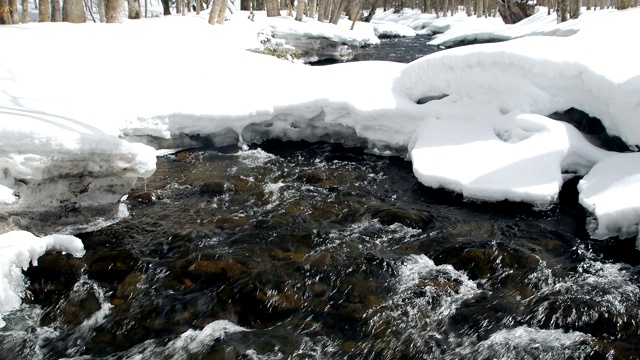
(142, 196)
(55, 274)
(112, 266)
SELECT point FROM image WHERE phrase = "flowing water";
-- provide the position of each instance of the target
(292, 250)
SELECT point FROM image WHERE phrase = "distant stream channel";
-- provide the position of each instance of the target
(294, 250)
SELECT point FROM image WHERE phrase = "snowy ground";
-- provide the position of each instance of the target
(70, 95)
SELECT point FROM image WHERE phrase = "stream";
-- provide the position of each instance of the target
(296, 250)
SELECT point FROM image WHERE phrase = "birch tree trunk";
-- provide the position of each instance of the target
(73, 11)
(313, 5)
(215, 9)
(222, 11)
(299, 10)
(322, 5)
(44, 11)
(115, 11)
(338, 12)
(102, 11)
(134, 9)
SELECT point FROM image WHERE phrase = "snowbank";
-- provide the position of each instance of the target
(484, 133)
(17, 250)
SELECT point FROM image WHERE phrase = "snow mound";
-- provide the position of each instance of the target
(18, 249)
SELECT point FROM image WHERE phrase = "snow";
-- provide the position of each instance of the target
(70, 119)
(17, 250)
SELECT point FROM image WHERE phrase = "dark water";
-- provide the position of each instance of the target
(311, 251)
(291, 250)
(402, 50)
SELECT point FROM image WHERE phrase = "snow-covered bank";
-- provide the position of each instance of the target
(501, 91)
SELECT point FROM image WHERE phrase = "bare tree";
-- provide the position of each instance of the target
(313, 5)
(339, 9)
(213, 13)
(56, 11)
(73, 11)
(562, 11)
(322, 6)
(300, 9)
(273, 7)
(5, 13)
(13, 11)
(134, 9)
(44, 11)
(102, 11)
(24, 15)
(115, 11)
(222, 12)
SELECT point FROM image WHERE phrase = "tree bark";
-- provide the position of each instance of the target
(245, 5)
(299, 10)
(213, 13)
(575, 8)
(44, 11)
(56, 11)
(73, 11)
(115, 11)
(13, 11)
(134, 9)
(562, 11)
(273, 8)
(338, 12)
(322, 5)
(372, 11)
(222, 12)
(166, 8)
(102, 11)
(5, 13)
(24, 16)
(313, 5)
(512, 12)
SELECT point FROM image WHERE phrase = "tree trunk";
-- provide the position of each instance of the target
(372, 11)
(73, 11)
(102, 11)
(338, 12)
(299, 10)
(313, 5)
(13, 11)
(166, 7)
(562, 11)
(134, 9)
(273, 8)
(56, 11)
(575, 11)
(222, 12)
(245, 5)
(356, 11)
(322, 5)
(44, 11)
(5, 15)
(115, 11)
(512, 12)
(468, 8)
(24, 16)
(213, 13)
